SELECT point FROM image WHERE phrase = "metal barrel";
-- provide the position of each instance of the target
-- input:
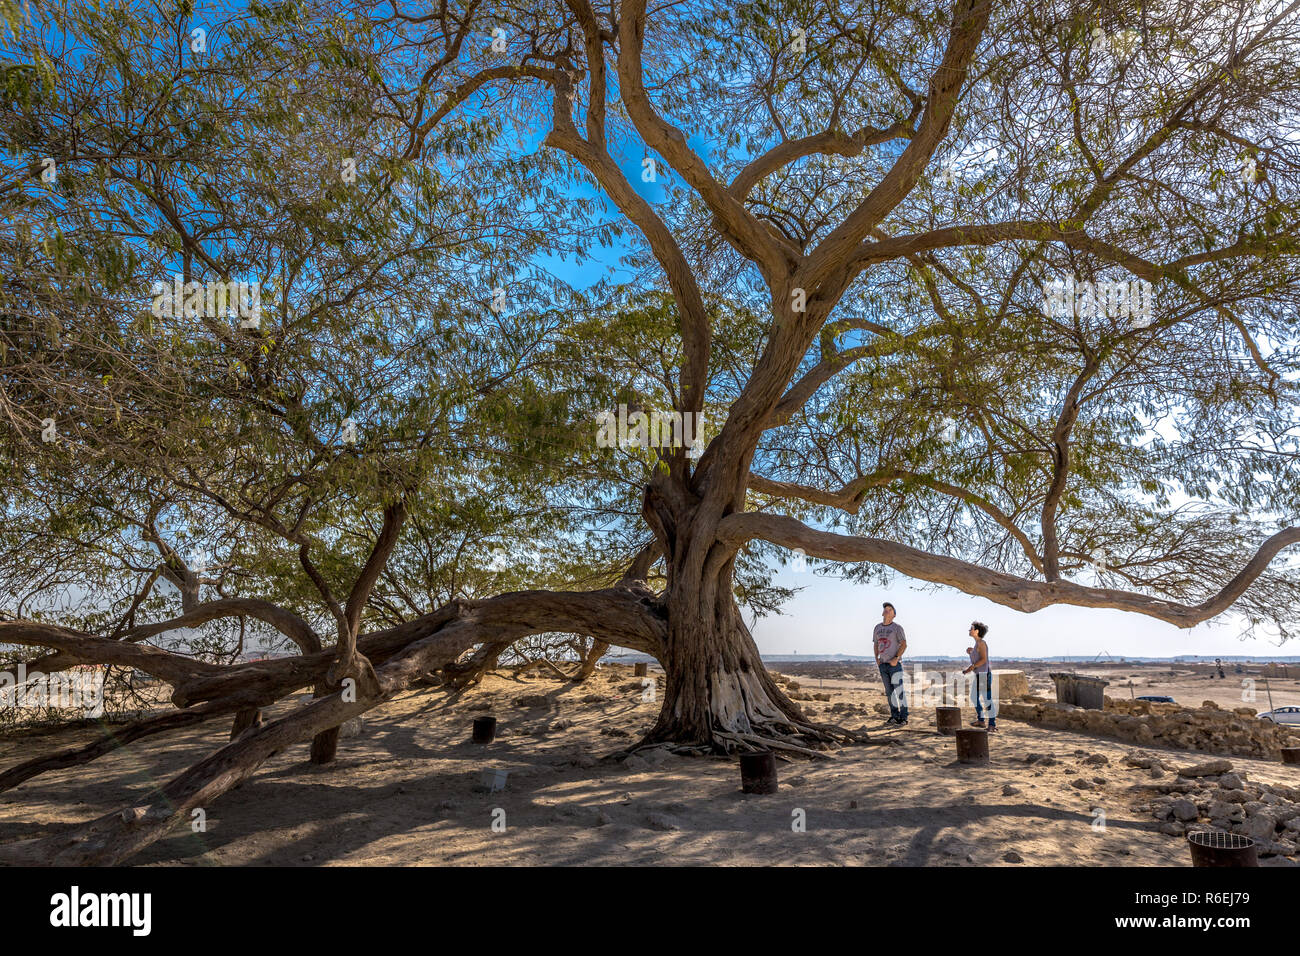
(947, 720)
(758, 772)
(485, 729)
(1221, 848)
(972, 745)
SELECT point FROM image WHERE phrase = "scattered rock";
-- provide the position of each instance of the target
(1225, 811)
(635, 764)
(1211, 769)
(1172, 829)
(1010, 790)
(527, 701)
(1259, 827)
(1011, 856)
(564, 723)
(655, 756)
(1231, 781)
(661, 821)
(1097, 760)
(1184, 810)
(1080, 784)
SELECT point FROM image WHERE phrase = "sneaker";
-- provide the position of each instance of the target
(992, 728)
(977, 723)
(902, 721)
(891, 721)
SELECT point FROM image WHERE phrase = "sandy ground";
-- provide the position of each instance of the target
(407, 791)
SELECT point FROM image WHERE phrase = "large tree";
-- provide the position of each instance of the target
(836, 223)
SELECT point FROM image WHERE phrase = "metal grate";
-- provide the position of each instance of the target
(1220, 840)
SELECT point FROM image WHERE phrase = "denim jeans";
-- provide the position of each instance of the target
(983, 693)
(893, 678)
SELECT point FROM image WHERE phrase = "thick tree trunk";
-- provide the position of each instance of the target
(718, 694)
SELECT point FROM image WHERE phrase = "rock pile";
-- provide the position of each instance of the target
(1209, 729)
(1213, 796)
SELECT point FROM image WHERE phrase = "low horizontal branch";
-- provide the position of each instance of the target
(1008, 590)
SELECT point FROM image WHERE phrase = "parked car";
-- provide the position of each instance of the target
(1283, 715)
(1157, 699)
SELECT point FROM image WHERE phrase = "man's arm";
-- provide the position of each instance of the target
(902, 646)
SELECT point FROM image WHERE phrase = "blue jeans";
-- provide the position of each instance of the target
(984, 689)
(893, 678)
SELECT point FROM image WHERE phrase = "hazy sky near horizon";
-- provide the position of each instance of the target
(830, 616)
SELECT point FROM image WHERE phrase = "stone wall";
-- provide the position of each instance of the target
(1208, 729)
(1010, 684)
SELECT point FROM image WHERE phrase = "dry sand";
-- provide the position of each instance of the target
(407, 791)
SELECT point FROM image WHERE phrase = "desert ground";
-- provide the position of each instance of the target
(406, 790)
(1188, 684)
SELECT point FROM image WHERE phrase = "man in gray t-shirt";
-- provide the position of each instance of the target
(890, 642)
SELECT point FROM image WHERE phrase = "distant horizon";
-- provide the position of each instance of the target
(831, 617)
